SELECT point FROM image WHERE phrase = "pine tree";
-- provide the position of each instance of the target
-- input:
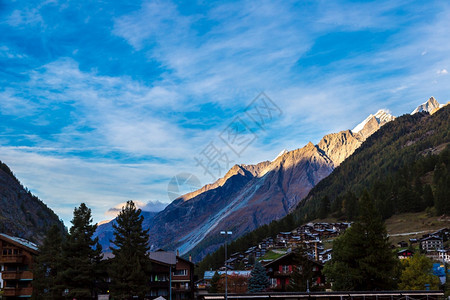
(259, 281)
(350, 206)
(131, 266)
(80, 257)
(324, 207)
(428, 197)
(48, 265)
(442, 193)
(362, 259)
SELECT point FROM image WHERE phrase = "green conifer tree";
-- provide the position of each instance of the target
(324, 207)
(80, 257)
(362, 259)
(48, 265)
(428, 197)
(131, 266)
(259, 281)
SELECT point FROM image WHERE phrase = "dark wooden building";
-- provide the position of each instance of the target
(166, 267)
(281, 269)
(16, 260)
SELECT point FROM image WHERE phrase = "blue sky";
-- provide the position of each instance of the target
(106, 101)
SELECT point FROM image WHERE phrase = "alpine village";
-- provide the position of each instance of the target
(365, 213)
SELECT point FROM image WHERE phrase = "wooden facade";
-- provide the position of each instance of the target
(182, 278)
(16, 261)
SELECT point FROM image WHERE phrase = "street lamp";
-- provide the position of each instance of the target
(226, 233)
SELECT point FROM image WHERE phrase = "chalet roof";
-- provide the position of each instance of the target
(19, 242)
(405, 250)
(431, 237)
(165, 257)
(326, 251)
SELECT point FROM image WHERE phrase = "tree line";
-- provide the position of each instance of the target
(70, 266)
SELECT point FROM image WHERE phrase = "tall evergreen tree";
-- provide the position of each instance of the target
(442, 193)
(259, 281)
(428, 197)
(80, 257)
(362, 259)
(131, 265)
(324, 207)
(48, 265)
(350, 206)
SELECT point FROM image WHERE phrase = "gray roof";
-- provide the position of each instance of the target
(21, 241)
(163, 256)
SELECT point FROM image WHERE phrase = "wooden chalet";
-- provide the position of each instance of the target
(16, 261)
(168, 267)
(281, 269)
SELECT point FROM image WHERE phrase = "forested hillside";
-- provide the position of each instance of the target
(22, 214)
(393, 164)
(404, 166)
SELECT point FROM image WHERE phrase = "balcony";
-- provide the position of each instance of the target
(14, 292)
(181, 289)
(282, 273)
(14, 259)
(17, 275)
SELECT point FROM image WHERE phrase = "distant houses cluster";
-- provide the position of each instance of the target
(310, 237)
(432, 244)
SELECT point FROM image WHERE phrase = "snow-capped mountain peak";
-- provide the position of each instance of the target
(280, 154)
(382, 116)
(430, 106)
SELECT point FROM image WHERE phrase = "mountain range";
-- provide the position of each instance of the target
(249, 196)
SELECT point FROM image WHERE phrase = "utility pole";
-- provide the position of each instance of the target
(226, 234)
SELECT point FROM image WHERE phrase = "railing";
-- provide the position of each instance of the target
(11, 275)
(11, 292)
(181, 289)
(18, 259)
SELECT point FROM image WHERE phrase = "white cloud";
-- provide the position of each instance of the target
(442, 72)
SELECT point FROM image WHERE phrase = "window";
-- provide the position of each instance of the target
(285, 269)
(180, 272)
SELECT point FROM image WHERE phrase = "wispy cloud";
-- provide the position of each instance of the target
(116, 112)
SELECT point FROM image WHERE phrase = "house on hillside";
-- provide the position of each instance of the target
(431, 243)
(402, 244)
(281, 269)
(325, 255)
(405, 254)
(16, 264)
(444, 255)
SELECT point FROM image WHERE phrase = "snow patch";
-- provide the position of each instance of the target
(280, 154)
(382, 116)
